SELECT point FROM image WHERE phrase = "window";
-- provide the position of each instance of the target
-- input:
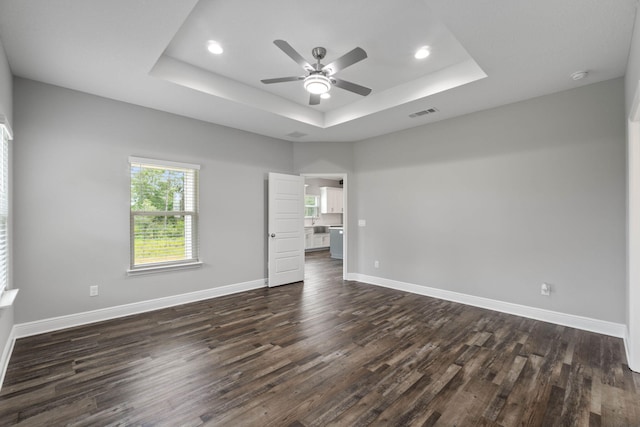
(4, 208)
(311, 206)
(164, 214)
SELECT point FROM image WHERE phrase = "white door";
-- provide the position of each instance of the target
(286, 229)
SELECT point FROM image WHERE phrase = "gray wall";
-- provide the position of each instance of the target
(490, 204)
(72, 198)
(6, 87)
(633, 66)
(494, 203)
(6, 108)
(323, 157)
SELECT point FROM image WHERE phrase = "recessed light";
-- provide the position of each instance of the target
(214, 47)
(325, 95)
(423, 52)
(579, 75)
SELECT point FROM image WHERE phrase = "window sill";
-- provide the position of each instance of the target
(163, 268)
(8, 297)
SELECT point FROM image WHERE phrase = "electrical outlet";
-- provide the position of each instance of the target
(93, 291)
(362, 223)
(545, 289)
(376, 264)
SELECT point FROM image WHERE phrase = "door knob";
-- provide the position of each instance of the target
(273, 234)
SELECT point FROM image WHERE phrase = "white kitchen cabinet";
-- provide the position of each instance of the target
(331, 200)
(308, 238)
(315, 240)
(321, 240)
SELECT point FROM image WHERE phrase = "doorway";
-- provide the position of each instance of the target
(326, 219)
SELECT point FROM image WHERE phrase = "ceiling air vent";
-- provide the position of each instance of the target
(296, 134)
(423, 112)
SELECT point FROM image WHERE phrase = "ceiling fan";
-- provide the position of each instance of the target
(319, 79)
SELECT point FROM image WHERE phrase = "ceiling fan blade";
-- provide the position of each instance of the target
(351, 87)
(349, 58)
(314, 99)
(293, 54)
(281, 80)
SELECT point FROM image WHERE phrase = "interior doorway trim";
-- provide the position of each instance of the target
(633, 234)
(345, 214)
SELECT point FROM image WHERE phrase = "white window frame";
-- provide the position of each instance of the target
(190, 213)
(316, 206)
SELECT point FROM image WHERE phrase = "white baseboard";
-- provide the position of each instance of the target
(627, 350)
(632, 361)
(6, 355)
(585, 323)
(22, 330)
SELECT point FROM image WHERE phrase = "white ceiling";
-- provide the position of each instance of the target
(485, 53)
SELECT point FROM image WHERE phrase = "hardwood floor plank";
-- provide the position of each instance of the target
(575, 409)
(411, 404)
(554, 407)
(323, 352)
(518, 409)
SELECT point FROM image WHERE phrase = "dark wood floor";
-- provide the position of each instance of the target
(325, 352)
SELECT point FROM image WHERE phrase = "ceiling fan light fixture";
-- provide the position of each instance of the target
(317, 84)
(321, 78)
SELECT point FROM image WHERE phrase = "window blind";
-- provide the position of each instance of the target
(4, 209)
(164, 213)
